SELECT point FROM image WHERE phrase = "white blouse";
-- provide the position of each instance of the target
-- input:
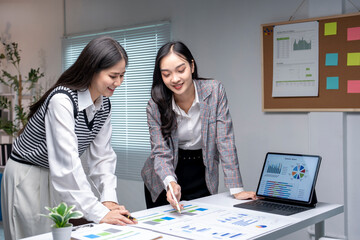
(66, 171)
(189, 132)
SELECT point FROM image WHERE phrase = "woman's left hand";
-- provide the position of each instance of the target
(245, 195)
(113, 206)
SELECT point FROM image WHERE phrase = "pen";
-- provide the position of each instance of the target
(173, 195)
(83, 226)
(130, 217)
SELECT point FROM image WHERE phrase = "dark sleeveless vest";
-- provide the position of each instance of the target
(30, 147)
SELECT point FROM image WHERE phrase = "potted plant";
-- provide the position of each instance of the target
(61, 215)
(20, 86)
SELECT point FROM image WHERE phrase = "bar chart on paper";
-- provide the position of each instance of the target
(167, 215)
(113, 232)
(204, 221)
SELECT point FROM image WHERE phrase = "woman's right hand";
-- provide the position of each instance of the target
(117, 217)
(177, 192)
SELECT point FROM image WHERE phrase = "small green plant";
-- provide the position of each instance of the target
(62, 214)
(17, 83)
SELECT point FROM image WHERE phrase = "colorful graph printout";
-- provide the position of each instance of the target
(167, 215)
(295, 60)
(113, 232)
(225, 223)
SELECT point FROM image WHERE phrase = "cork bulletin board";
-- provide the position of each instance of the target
(338, 67)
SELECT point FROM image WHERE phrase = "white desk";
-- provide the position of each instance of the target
(315, 216)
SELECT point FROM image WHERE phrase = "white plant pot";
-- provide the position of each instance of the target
(63, 233)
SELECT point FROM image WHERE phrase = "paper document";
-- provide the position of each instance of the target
(205, 221)
(113, 232)
(296, 60)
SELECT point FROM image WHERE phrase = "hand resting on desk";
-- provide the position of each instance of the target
(117, 215)
(245, 195)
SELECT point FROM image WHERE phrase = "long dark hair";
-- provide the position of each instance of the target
(160, 93)
(99, 54)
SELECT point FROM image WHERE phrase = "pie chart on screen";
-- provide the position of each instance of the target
(298, 171)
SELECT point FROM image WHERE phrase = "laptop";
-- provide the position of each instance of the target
(286, 185)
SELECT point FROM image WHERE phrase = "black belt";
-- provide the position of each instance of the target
(190, 173)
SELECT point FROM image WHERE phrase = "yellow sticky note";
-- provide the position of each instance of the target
(353, 59)
(330, 28)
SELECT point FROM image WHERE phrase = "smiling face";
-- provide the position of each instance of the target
(105, 81)
(176, 73)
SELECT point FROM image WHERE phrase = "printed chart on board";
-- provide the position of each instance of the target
(296, 60)
(204, 221)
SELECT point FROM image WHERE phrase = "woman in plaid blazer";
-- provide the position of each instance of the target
(191, 131)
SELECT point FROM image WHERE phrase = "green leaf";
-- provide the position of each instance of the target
(61, 214)
(33, 77)
(9, 78)
(49, 209)
(73, 215)
(5, 103)
(56, 218)
(71, 207)
(61, 209)
(12, 55)
(8, 127)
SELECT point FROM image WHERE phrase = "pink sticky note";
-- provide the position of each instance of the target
(353, 33)
(353, 86)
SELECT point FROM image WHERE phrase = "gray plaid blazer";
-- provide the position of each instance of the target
(218, 142)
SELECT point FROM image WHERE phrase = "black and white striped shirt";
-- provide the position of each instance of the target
(30, 147)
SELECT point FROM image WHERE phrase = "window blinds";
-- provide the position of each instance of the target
(130, 135)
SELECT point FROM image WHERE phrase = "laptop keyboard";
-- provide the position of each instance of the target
(272, 207)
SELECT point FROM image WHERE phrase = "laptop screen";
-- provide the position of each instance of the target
(289, 176)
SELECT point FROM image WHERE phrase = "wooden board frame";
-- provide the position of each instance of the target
(327, 100)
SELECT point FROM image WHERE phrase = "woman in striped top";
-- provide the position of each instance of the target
(70, 120)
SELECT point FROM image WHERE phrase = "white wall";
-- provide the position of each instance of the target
(38, 27)
(225, 38)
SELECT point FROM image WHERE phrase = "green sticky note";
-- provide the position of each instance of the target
(353, 59)
(332, 83)
(330, 28)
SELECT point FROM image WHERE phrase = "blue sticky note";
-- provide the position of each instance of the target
(331, 59)
(332, 83)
